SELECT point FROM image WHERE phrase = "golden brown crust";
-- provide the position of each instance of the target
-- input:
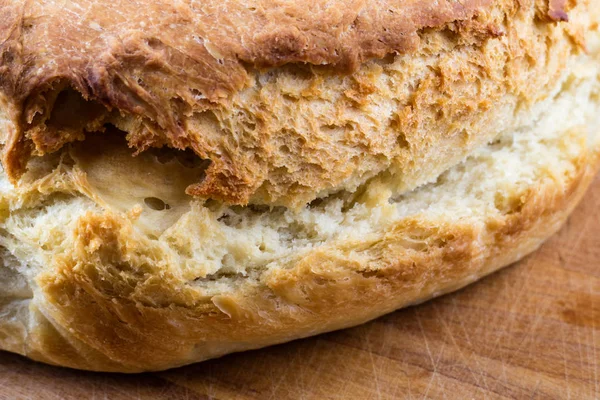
(108, 295)
(166, 72)
(121, 322)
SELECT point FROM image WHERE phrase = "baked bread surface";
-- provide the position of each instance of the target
(90, 286)
(108, 265)
(289, 101)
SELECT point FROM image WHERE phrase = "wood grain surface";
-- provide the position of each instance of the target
(531, 331)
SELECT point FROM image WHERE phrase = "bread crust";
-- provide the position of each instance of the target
(289, 101)
(106, 319)
(114, 300)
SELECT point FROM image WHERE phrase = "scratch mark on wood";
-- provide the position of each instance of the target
(564, 348)
(594, 342)
(375, 374)
(458, 348)
(433, 366)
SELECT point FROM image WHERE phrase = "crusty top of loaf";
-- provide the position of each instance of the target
(151, 64)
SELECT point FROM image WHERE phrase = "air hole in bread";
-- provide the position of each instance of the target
(154, 181)
(186, 158)
(230, 218)
(72, 111)
(315, 203)
(62, 115)
(157, 204)
(290, 98)
(397, 126)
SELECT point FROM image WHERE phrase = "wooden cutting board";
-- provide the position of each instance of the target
(529, 331)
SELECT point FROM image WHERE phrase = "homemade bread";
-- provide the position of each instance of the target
(109, 263)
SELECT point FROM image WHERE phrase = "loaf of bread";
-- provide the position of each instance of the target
(186, 179)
